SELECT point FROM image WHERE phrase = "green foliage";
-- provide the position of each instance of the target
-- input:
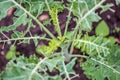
(96, 71)
(92, 45)
(102, 60)
(22, 68)
(107, 68)
(104, 67)
(102, 29)
(80, 8)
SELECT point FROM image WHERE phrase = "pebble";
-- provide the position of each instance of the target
(43, 17)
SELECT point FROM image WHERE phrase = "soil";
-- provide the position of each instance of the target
(111, 17)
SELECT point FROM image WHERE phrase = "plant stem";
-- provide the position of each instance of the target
(79, 56)
(47, 5)
(68, 19)
(34, 18)
(14, 39)
(80, 20)
(5, 35)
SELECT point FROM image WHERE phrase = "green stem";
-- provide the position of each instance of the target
(83, 56)
(47, 5)
(14, 39)
(58, 26)
(34, 18)
(5, 35)
(68, 20)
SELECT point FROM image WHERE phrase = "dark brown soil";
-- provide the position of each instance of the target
(110, 17)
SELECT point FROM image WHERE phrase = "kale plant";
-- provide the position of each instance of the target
(100, 52)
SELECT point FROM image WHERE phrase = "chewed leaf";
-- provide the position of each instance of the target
(52, 63)
(106, 7)
(86, 24)
(17, 22)
(102, 29)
